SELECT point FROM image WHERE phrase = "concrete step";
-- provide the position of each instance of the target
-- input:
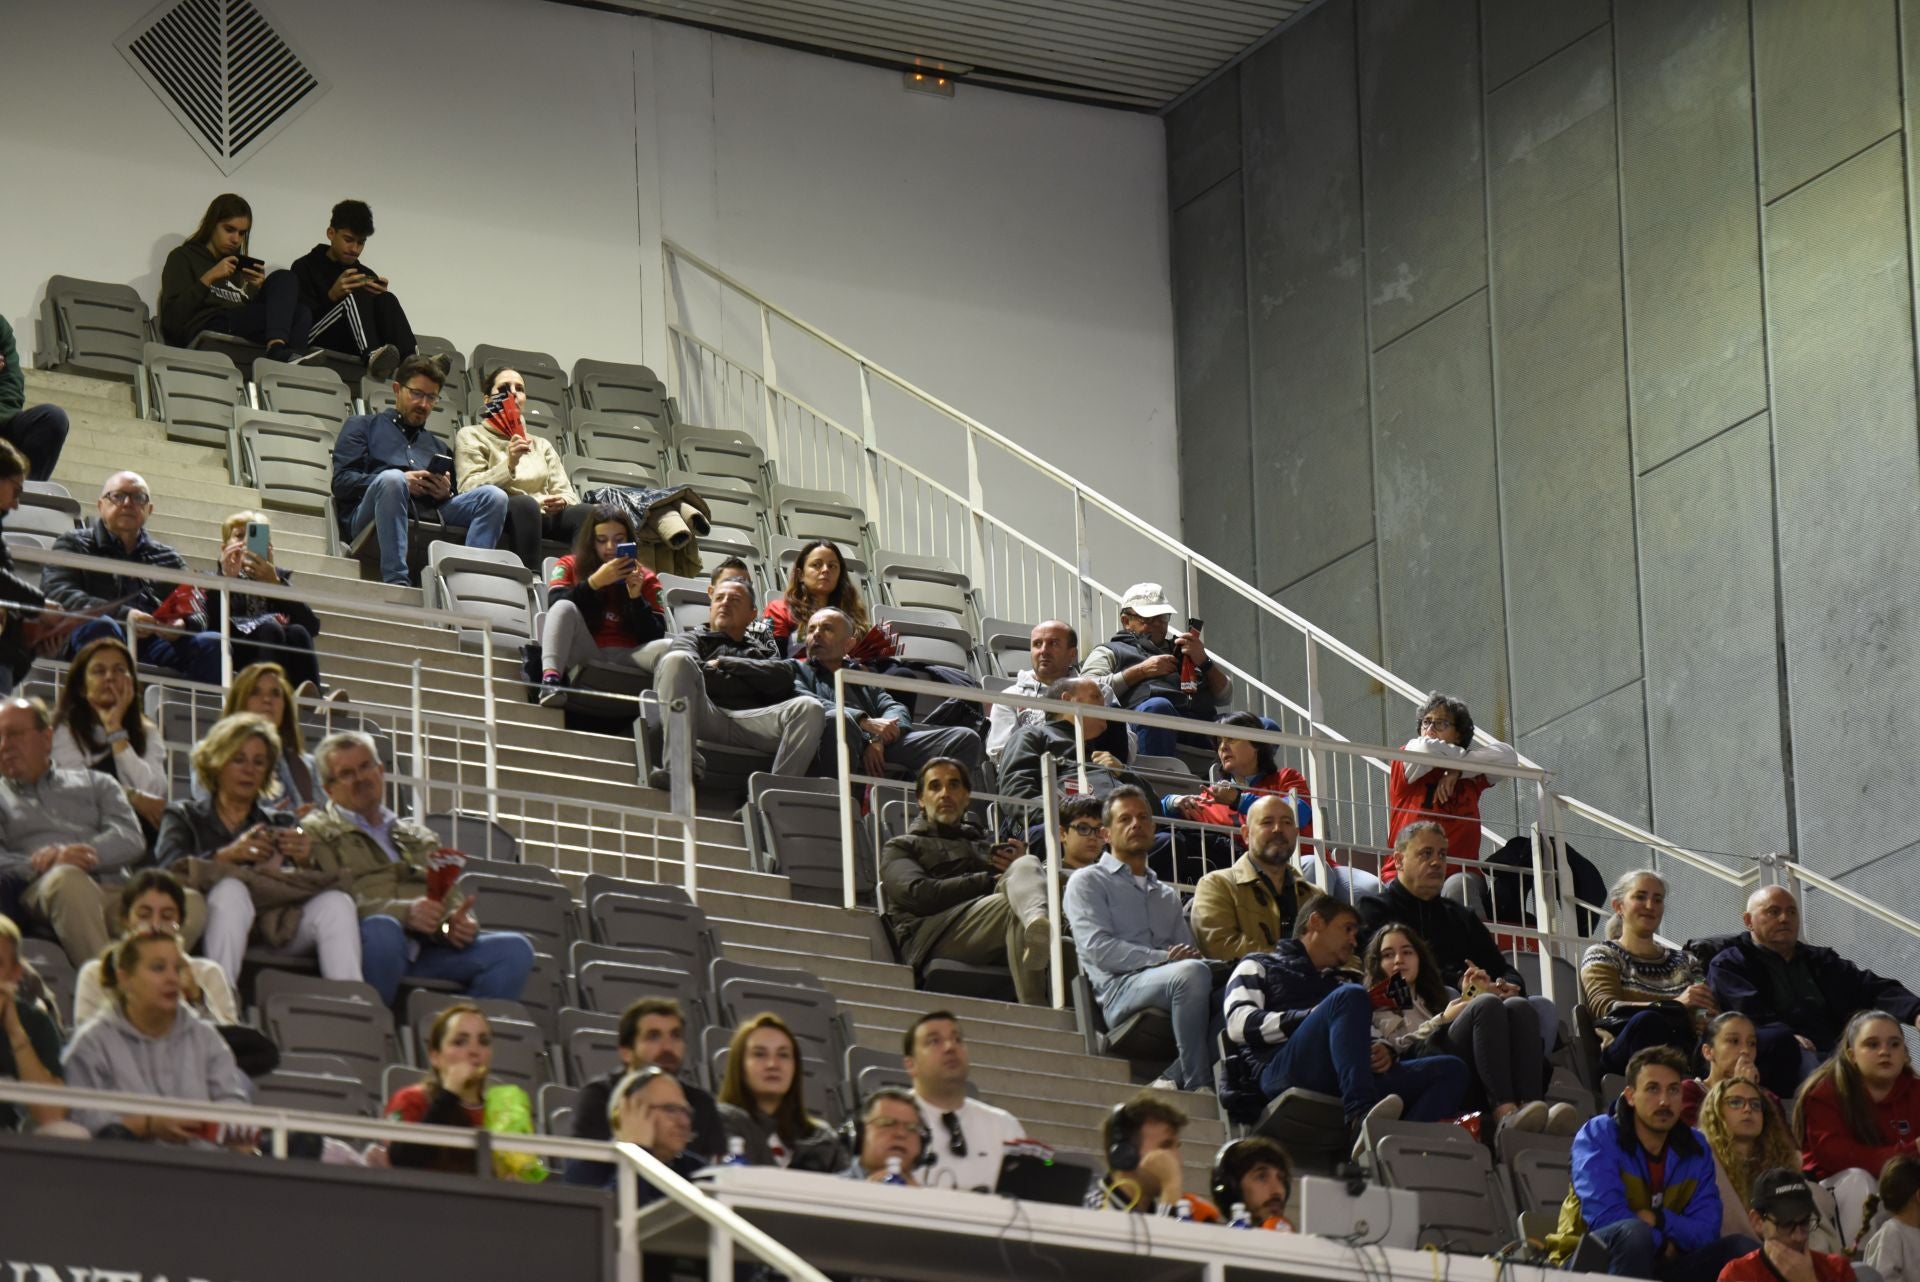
(894, 1007)
(60, 387)
(896, 991)
(798, 946)
(858, 923)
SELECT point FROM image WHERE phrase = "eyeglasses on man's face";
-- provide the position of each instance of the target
(127, 498)
(424, 397)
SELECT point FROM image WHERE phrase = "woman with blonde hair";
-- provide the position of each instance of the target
(263, 688)
(252, 865)
(1640, 992)
(1748, 1135)
(265, 629)
(456, 1092)
(760, 1101)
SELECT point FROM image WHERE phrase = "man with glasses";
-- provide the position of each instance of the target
(1451, 798)
(969, 1137)
(953, 895)
(1782, 1213)
(121, 601)
(890, 1127)
(383, 472)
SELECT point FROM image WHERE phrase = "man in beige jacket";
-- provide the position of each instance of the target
(1250, 907)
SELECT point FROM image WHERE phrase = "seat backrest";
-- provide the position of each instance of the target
(351, 1030)
(313, 393)
(928, 641)
(603, 424)
(429, 345)
(487, 582)
(725, 968)
(541, 421)
(809, 1012)
(618, 474)
(819, 514)
(474, 834)
(802, 833)
(92, 327)
(596, 884)
(716, 452)
(519, 1054)
(555, 1105)
(1009, 645)
(1462, 1207)
(925, 583)
(1540, 1171)
(590, 1041)
(610, 987)
(612, 387)
(47, 514)
(194, 392)
(536, 909)
(289, 458)
(51, 961)
(640, 921)
(345, 1096)
(609, 444)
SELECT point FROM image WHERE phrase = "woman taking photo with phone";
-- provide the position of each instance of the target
(498, 450)
(251, 862)
(210, 283)
(610, 601)
(265, 629)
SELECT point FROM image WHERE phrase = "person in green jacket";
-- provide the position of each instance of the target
(39, 431)
(210, 282)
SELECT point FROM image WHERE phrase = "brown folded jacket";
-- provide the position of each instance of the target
(278, 893)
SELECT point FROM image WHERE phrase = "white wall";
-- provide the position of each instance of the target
(523, 160)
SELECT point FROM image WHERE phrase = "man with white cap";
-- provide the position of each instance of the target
(1148, 665)
(1781, 1210)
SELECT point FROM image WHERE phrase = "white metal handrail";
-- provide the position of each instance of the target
(633, 1164)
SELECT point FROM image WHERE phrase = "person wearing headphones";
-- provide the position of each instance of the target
(1255, 1173)
(887, 1127)
(1142, 1142)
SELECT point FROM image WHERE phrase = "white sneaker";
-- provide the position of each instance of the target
(1163, 1084)
(1388, 1109)
(1564, 1119)
(1037, 948)
(1531, 1116)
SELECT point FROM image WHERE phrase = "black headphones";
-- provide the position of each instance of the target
(1225, 1187)
(853, 1132)
(1123, 1140)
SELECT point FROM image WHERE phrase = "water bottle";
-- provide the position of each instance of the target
(1182, 1210)
(893, 1175)
(1240, 1220)
(736, 1151)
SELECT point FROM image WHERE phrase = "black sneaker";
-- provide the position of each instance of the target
(382, 362)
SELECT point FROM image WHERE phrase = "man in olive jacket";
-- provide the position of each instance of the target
(1250, 907)
(403, 932)
(950, 895)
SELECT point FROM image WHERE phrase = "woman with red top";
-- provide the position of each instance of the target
(819, 577)
(455, 1092)
(598, 599)
(1856, 1111)
(1450, 798)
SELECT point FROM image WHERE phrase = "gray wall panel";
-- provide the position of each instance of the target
(1879, 948)
(1827, 80)
(1566, 489)
(1439, 515)
(1695, 346)
(1306, 297)
(1713, 672)
(1518, 35)
(1421, 147)
(1344, 599)
(1598, 753)
(1210, 314)
(1849, 491)
(1203, 139)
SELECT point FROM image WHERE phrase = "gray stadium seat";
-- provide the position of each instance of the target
(801, 831)
(616, 388)
(1146, 1036)
(16, 541)
(352, 1030)
(589, 1043)
(288, 459)
(618, 447)
(475, 835)
(1462, 1205)
(553, 1109)
(1539, 1166)
(726, 968)
(685, 601)
(489, 582)
(737, 514)
(91, 327)
(312, 1092)
(812, 1013)
(283, 983)
(545, 992)
(54, 968)
(709, 452)
(538, 910)
(43, 511)
(541, 421)
(923, 638)
(313, 393)
(819, 514)
(194, 393)
(546, 383)
(926, 583)
(610, 987)
(429, 345)
(614, 474)
(590, 427)
(1008, 646)
(665, 922)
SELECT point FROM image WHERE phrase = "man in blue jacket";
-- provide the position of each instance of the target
(382, 472)
(1643, 1184)
(1299, 1017)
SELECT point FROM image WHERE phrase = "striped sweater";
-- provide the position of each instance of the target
(1610, 975)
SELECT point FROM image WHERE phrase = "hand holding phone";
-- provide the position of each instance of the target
(441, 465)
(626, 552)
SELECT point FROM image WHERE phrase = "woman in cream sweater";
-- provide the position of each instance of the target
(498, 450)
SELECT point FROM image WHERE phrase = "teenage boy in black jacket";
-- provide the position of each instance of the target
(357, 314)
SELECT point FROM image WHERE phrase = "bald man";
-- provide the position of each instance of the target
(1798, 995)
(1250, 907)
(119, 533)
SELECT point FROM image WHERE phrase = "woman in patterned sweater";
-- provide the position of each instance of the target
(1639, 991)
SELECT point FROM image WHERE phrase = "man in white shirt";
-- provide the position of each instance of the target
(969, 1137)
(1055, 648)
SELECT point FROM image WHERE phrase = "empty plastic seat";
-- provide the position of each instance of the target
(612, 446)
(819, 514)
(91, 327)
(355, 1031)
(925, 638)
(1146, 1035)
(546, 383)
(539, 910)
(346, 1095)
(1539, 1166)
(612, 387)
(591, 427)
(710, 452)
(193, 393)
(311, 392)
(685, 601)
(926, 583)
(611, 986)
(801, 830)
(489, 582)
(1462, 1206)
(287, 458)
(589, 1043)
(474, 834)
(619, 474)
(1008, 646)
(553, 1108)
(645, 921)
(44, 511)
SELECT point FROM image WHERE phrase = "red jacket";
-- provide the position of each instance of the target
(1754, 1267)
(1829, 1148)
(1412, 802)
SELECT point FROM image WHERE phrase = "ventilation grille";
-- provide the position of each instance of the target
(224, 71)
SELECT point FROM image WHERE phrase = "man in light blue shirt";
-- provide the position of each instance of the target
(1134, 943)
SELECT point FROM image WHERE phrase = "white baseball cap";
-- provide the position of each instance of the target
(1148, 600)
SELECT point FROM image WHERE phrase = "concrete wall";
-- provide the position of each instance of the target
(524, 160)
(1578, 379)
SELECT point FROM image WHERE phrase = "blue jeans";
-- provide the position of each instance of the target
(494, 965)
(483, 510)
(1156, 742)
(195, 656)
(1184, 989)
(1631, 1253)
(1331, 1052)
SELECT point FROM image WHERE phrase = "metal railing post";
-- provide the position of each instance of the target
(1319, 777)
(719, 1254)
(626, 1192)
(419, 744)
(1545, 898)
(976, 501)
(1050, 822)
(768, 378)
(226, 638)
(677, 718)
(844, 751)
(488, 712)
(1080, 750)
(1083, 567)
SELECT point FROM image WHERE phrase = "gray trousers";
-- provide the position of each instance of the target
(910, 751)
(994, 930)
(790, 729)
(565, 638)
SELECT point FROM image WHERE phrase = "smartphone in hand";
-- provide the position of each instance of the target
(259, 538)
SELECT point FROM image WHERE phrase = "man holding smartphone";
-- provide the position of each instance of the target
(387, 467)
(358, 316)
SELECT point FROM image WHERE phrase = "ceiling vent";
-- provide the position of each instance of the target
(224, 71)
